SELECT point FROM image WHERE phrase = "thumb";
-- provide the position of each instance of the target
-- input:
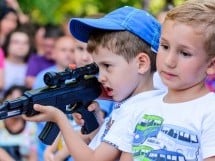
(39, 108)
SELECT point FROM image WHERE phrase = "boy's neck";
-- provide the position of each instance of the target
(146, 84)
(177, 96)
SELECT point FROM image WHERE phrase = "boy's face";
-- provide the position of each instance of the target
(181, 60)
(119, 78)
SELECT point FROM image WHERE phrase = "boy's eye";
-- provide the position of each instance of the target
(186, 54)
(164, 46)
(106, 65)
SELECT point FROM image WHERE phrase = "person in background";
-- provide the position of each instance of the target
(63, 55)
(18, 137)
(17, 48)
(23, 18)
(8, 22)
(2, 63)
(39, 38)
(39, 61)
(82, 56)
(64, 26)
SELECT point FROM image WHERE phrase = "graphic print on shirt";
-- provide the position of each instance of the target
(108, 125)
(156, 141)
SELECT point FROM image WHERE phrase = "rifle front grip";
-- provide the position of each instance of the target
(49, 133)
(90, 121)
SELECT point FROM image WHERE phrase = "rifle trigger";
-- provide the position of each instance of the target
(70, 107)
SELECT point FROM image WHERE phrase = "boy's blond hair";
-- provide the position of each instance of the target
(121, 43)
(201, 15)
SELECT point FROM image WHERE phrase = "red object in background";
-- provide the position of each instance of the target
(210, 82)
(72, 66)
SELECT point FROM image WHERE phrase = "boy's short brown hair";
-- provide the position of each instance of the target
(121, 43)
(126, 31)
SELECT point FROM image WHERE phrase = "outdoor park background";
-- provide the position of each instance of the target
(56, 11)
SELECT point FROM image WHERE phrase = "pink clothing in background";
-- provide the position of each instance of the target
(1, 58)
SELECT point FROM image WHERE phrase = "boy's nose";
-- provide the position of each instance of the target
(101, 77)
(170, 60)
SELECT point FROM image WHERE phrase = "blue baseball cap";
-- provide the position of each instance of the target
(136, 21)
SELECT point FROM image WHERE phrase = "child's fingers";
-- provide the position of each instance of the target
(39, 108)
(30, 118)
(93, 106)
(38, 117)
(78, 118)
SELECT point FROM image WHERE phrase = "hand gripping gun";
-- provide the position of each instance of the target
(70, 91)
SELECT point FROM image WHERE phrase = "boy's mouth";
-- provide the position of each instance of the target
(109, 91)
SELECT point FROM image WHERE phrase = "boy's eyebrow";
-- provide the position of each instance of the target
(110, 62)
(181, 46)
(163, 39)
(104, 62)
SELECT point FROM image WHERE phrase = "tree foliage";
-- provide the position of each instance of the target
(55, 11)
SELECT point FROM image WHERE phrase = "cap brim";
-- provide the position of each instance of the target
(81, 28)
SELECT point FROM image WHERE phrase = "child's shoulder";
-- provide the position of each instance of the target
(207, 100)
(143, 96)
(141, 100)
(146, 95)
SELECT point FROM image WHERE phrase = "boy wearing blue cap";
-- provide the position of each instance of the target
(123, 44)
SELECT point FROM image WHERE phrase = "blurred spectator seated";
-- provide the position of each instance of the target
(39, 61)
(18, 137)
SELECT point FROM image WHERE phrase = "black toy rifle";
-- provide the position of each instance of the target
(74, 95)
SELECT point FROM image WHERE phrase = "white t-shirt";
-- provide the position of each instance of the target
(177, 131)
(157, 82)
(110, 131)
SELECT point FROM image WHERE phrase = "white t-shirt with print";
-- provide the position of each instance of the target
(177, 131)
(110, 131)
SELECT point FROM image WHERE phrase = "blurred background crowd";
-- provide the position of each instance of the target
(34, 39)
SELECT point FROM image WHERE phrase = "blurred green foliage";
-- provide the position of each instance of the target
(55, 11)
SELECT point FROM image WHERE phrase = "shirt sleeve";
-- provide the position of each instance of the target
(121, 132)
(32, 66)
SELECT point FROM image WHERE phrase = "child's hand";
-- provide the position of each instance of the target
(48, 154)
(46, 113)
(93, 107)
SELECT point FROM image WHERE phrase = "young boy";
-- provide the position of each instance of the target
(123, 44)
(179, 125)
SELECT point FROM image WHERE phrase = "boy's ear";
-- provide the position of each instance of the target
(211, 67)
(143, 62)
